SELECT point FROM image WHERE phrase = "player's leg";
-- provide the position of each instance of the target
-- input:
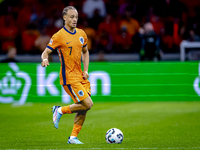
(78, 123)
(80, 115)
(80, 105)
(81, 109)
(80, 95)
(79, 118)
(84, 105)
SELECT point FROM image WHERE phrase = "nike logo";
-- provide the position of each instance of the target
(68, 42)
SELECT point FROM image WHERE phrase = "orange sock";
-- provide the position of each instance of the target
(76, 130)
(66, 110)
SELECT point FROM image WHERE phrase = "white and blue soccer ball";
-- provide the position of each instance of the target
(114, 135)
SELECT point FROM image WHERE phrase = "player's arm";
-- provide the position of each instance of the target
(85, 59)
(44, 56)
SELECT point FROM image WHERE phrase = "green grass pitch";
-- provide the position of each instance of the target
(145, 125)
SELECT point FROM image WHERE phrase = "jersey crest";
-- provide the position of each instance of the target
(81, 39)
(81, 93)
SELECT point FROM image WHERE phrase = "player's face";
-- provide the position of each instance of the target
(71, 18)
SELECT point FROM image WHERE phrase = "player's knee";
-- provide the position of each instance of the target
(89, 105)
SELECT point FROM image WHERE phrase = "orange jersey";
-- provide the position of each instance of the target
(69, 47)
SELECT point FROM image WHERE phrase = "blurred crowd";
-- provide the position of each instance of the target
(112, 26)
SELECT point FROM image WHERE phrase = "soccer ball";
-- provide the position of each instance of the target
(114, 135)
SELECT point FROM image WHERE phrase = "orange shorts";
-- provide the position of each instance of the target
(78, 91)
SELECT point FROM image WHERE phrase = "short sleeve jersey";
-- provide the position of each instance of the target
(69, 47)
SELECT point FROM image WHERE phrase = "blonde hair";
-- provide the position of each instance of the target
(65, 10)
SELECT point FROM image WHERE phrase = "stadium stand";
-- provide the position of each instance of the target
(114, 27)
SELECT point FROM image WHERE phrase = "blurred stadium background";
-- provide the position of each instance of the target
(115, 28)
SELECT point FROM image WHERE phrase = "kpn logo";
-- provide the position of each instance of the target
(14, 85)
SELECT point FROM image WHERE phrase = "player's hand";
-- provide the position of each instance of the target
(85, 75)
(45, 63)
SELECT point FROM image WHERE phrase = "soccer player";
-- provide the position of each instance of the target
(71, 43)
